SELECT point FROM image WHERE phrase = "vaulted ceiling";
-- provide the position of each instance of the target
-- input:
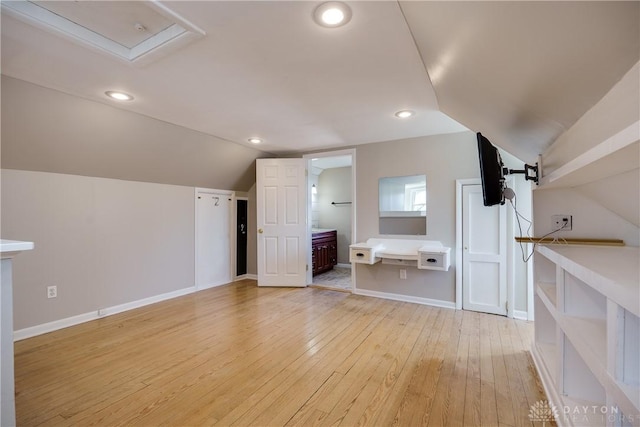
(519, 72)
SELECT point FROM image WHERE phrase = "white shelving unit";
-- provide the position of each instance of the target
(587, 333)
(587, 306)
(615, 155)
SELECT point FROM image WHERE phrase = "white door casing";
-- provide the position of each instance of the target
(282, 222)
(213, 242)
(352, 238)
(484, 263)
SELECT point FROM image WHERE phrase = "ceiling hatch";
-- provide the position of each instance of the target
(134, 31)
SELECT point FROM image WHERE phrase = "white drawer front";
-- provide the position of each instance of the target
(433, 261)
(362, 255)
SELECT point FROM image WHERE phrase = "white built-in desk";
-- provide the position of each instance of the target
(423, 254)
(8, 249)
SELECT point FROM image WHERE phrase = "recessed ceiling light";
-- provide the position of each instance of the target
(120, 96)
(332, 14)
(255, 140)
(404, 114)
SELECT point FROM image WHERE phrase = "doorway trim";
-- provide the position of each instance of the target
(309, 157)
(234, 237)
(459, 271)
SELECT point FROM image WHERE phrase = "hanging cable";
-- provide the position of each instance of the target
(526, 258)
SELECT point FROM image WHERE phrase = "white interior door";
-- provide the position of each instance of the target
(281, 220)
(484, 263)
(213, 243)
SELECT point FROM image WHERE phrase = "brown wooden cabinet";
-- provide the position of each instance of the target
(324, 251)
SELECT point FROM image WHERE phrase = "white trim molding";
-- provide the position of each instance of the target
(93, 315)
(520, 315)
(459, 184)
(404, 298)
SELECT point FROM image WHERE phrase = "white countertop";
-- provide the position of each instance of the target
(11, 247)
(322, 230)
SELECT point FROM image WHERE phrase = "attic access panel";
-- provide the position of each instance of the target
(133, 31)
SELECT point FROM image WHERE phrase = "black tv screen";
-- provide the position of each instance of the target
(491, 172)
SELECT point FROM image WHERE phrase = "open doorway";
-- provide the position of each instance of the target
(331, 206)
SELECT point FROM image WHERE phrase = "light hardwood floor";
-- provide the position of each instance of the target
(243, 355)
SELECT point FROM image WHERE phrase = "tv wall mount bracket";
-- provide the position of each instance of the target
(530, 172)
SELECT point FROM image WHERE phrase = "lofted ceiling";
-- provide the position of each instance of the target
(519, 72)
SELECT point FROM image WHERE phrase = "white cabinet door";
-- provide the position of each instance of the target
(484, 263)
(281, 220)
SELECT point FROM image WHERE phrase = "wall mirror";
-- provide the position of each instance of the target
(403, 205)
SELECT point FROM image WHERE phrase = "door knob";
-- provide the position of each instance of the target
(260, 230)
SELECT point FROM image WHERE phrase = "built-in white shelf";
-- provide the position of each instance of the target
(627, 398)
(588, 330)
(617, 154)
(547, 293)
(587, 298)
(545, 349)
(614, 272)
(589, 337)
(589, 417)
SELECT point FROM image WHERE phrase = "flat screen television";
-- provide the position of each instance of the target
(491, 172)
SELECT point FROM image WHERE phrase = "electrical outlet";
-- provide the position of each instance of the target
(52, 291)
(562, 222)
(403, 273)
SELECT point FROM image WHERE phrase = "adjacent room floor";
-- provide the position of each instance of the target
(337, 277)
(243, 355)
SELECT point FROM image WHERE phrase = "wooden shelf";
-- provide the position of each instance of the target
(570, 241)
(617, 154)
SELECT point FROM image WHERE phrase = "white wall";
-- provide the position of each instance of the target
(518, 269)
(102, 242)
(314, 175)
(443, 159)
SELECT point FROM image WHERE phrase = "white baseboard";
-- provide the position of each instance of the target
(214, 285)
(343, 265)
(520, 315)
(405, 298)
(103, 312)
(246, 276)
(548, 384)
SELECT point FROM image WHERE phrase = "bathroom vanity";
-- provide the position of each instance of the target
(324, 250)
